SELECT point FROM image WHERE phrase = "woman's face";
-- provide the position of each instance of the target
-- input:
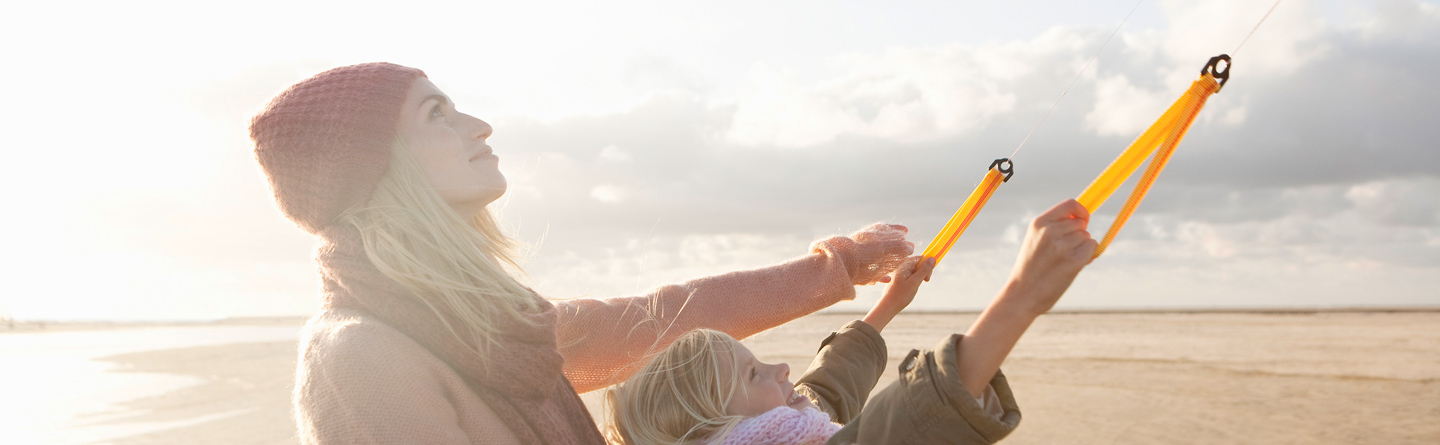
(761, 387)
(450, 147)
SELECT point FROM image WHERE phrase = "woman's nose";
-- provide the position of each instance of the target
(483, 130)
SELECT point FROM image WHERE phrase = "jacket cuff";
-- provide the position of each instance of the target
(861, 333)
(947, 365)
(859, 336)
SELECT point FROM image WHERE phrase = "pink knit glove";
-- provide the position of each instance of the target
(871, 253)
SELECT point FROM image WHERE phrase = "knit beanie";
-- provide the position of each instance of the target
(325, 142)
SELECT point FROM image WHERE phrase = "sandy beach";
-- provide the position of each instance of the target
(1262, 378)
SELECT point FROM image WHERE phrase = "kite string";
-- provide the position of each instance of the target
(1077, 77)
(1256, 28)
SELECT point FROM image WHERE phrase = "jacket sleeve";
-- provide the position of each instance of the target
(604, 341)
(845, 370)
(929, 404)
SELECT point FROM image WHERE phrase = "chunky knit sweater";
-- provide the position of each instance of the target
(362, 381)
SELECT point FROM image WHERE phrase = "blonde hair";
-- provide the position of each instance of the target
(460, 269)
(680, 396)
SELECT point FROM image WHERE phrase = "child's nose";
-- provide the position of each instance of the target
(784, 371)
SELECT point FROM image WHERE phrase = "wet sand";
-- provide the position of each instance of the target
(1262, 378)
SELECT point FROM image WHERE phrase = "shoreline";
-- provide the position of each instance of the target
(1318, 376)
(34, 326)
(81, 383)
(42, 326)
(1181, 311)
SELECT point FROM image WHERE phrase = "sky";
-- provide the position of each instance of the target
(650, 142)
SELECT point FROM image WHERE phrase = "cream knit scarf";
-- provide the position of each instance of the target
(522, 380)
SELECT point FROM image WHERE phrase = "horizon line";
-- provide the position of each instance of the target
(1064, 311)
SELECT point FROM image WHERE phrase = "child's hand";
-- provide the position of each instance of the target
(904, 283)
(1056, 247)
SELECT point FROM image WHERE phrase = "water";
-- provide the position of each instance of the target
(53, 391)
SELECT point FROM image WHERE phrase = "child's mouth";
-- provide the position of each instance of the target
(796, 398)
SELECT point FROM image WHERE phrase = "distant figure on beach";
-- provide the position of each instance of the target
(707, 388)
(425, 336)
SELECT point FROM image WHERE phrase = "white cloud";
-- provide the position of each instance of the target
(1203, 237)
(1398, 201)
(613, 153)
(1122, 109)
(1400, 20)
(1265, 199)
(1290, 38)
(904, 95)
(608, 193)
(640, 160)
(1233, 116)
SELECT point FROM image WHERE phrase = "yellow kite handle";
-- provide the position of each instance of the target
(1000, 171)
(1161, 139)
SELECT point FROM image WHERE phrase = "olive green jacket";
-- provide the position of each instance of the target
(927, 404)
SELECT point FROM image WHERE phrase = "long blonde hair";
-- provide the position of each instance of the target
(456, 267)
(680, 396)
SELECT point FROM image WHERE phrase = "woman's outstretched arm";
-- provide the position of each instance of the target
(606, 340)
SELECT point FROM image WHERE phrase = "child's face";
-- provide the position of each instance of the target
(761, 387)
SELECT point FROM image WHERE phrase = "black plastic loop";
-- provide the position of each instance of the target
(1005, 166)
(1212, 67)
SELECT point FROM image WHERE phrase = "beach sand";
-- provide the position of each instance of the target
(1179, 378)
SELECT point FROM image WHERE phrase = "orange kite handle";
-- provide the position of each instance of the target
(1000, 171)
(1160, 139)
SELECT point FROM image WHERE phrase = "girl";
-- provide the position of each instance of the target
(425, 335)
(708, 388)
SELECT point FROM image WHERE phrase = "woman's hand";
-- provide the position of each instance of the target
(871, 253)
(904, 283)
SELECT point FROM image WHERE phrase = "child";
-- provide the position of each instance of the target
(707, 388)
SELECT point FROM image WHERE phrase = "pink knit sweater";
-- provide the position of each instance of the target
(361, 381)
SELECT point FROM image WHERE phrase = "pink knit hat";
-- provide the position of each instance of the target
(325, 142)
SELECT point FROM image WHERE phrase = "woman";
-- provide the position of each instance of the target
(425, 337)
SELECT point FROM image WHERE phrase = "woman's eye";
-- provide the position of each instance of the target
(437, 112)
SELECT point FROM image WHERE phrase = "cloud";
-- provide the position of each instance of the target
(1398, 202)
(1122, 109)
(1310, 180)
(907, 95)
(1314, 164)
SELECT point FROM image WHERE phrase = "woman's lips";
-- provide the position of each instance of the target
(484, 153)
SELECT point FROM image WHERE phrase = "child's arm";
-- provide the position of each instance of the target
(1056, 247)
(851, 360)
(900, 292)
